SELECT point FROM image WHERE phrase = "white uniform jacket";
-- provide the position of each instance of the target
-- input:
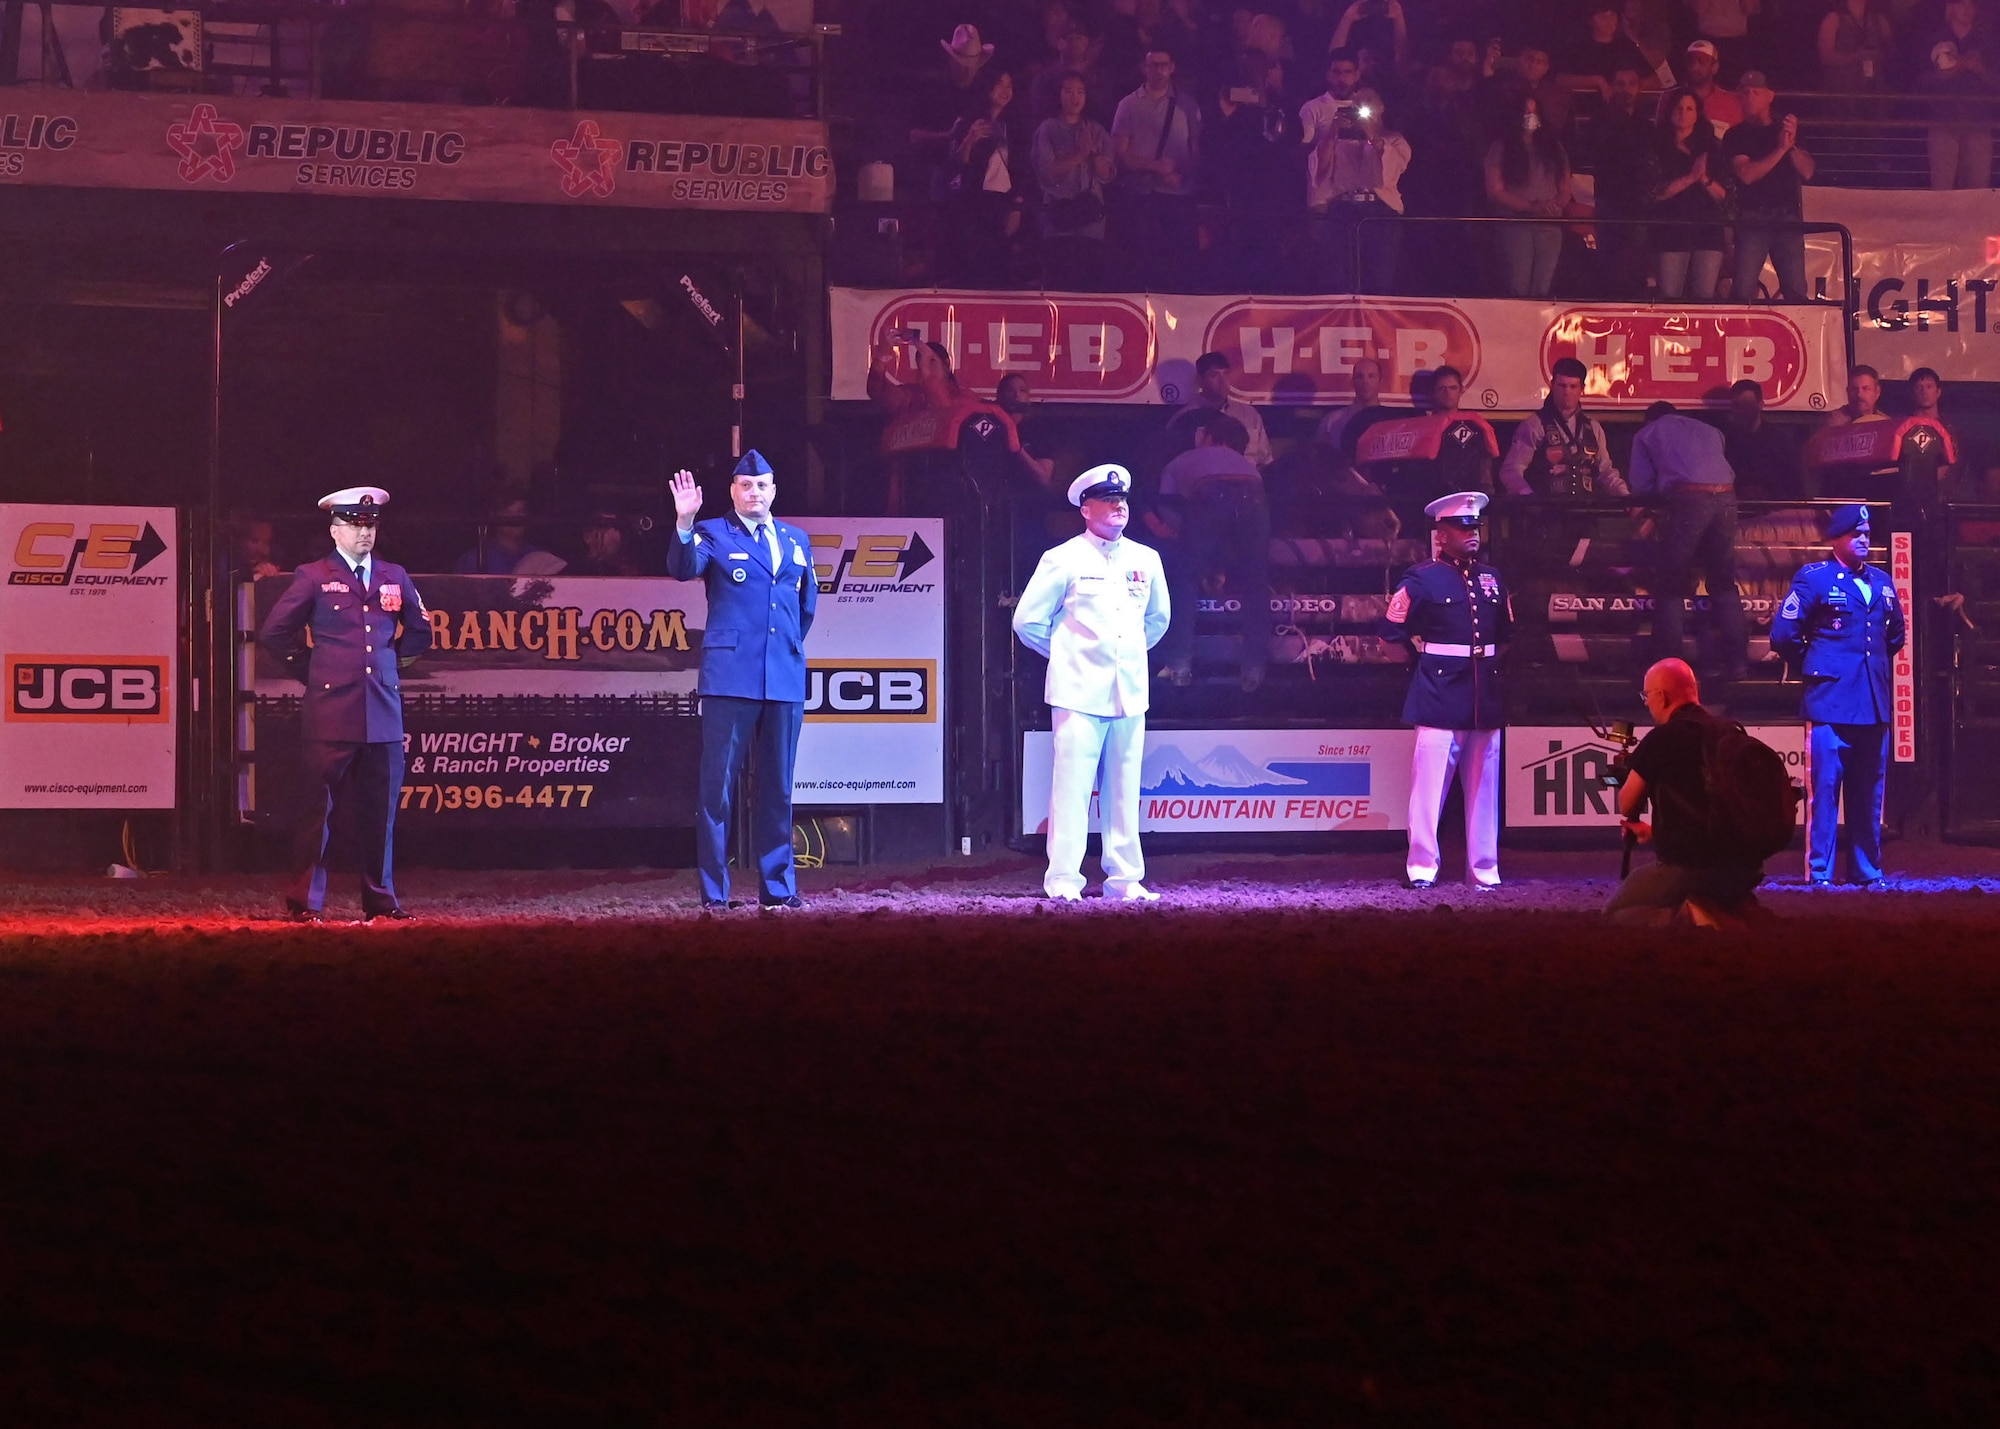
(1094, 608)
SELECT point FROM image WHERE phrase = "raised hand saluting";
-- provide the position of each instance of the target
(687, 499)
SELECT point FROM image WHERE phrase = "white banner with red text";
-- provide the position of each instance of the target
(1242, 781)
(338, 148)
(89, 621)
(1926, 267)
(1141, 348)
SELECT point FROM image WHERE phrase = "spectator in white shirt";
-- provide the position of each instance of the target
(1354, 171)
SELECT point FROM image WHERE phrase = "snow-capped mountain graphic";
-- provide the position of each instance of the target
(1167, 769)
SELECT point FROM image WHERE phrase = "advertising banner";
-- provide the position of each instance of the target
(89, 624)
(558, 701)
(1926, 265)
(1554, 773)
(340, 148)
(1903, 669)
(1242, 781)
(1142, 347)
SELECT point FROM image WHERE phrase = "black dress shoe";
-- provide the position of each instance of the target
(394, 915)
(1419, 885)
(718, 905)
(792, 902)
(306, 915)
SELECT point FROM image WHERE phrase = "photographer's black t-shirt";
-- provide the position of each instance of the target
(1670, 760)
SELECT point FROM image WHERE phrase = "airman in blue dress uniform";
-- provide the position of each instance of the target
(1841, 626)
(1460, 611)
(343, 626)
(762, 591)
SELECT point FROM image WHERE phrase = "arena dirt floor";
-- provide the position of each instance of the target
(1294, 1147)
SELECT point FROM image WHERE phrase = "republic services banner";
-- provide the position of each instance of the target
(558, 701)
(339, 148)
(89, 621)
(1926, 266)
(1245, 781)
(1141, 348)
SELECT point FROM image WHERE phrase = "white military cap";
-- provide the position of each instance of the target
(354, 503)
(1461, 508)
(1107, 480)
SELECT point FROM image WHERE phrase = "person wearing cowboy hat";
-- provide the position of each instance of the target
(1841, 626)
(762, 592)
(1457, 614)
(1094, 607)
(941, 99)
(345, 626)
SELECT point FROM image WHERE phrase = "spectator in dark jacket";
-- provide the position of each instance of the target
(1954, 68)
(986, 201)
(1687, 260)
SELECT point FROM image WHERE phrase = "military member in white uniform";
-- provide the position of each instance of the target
(1095, 605)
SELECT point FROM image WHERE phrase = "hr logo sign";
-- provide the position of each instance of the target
(87, 688)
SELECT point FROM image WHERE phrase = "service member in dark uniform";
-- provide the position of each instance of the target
(343, 627)
(1457, 614)
(1841, 626)
(758, 573)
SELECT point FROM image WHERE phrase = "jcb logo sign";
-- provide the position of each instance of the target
(112, 553)
(87, 688)
(872, 691)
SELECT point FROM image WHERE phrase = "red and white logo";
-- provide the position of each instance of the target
(1089, 349)
(1637, 356)
(589, 162)
(207, 145)
(1304, 350)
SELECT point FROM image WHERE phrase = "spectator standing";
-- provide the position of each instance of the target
(1354, 166)
(1854, 41)
(1720, 107)
(1763, 455)
(1527, 176)
(1961, 134)
(986, 203)
(1644, 23)
(1377, 25)
(1588, 65)
(1253, 150)
(1214, 496)
(1669, 770)
(1771, 170)
(503, 547)
(1687, 256)
(1074, 159)
(1561, 450)
(1446, 131)
(1157, 131)
(1724, 26)
(1679, 462)
(1211, 376)
(941, 99)
(1623, 158)
(1076, 53)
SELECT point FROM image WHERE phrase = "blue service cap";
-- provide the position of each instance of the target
(753, 464)
(1845, 519)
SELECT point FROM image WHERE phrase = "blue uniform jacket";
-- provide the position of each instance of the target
(354, 690)
(754, 645)
(1843, 646)
(1447, 604)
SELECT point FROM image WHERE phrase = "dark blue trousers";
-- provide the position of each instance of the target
(1849, 764)
(731, 729)
(374, 773)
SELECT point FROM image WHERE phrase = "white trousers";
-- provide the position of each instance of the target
(1083, 742)
(1475, 755)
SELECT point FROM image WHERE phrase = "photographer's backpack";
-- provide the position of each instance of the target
(1753, 804)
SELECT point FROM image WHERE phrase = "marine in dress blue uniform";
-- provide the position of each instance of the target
(762, 592)
(342, 627)
(1460, 611)
(1841, 626)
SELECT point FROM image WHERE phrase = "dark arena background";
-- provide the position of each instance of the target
(1299, 1144)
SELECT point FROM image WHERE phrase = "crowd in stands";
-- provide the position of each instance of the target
(1307, 145)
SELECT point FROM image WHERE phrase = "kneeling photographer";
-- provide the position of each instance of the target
(1722, 803)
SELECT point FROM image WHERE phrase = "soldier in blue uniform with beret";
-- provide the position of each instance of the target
(762, 591)
(1841, 626)
(343, 626)
(1457, 613)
